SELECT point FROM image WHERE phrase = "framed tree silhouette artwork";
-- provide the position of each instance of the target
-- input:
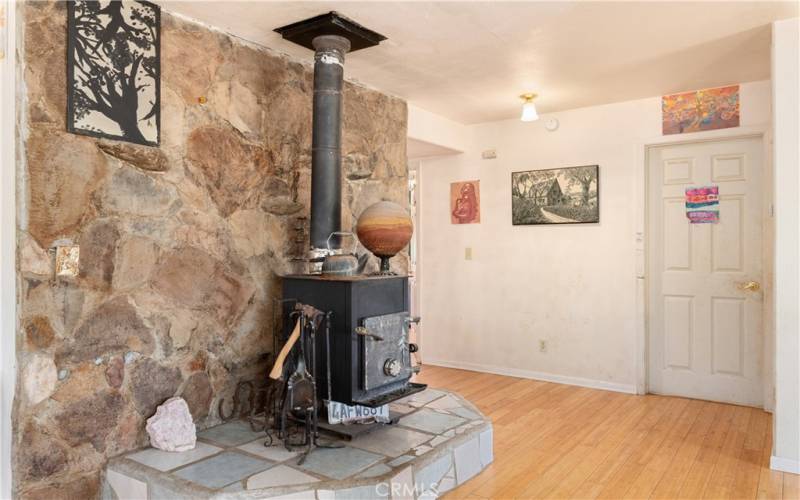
(114, 70)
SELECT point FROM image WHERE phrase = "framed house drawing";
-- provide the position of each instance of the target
(556, 196)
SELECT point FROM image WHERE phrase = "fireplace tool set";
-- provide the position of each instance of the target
(295, 404)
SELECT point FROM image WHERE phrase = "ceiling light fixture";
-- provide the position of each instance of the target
(529, 113)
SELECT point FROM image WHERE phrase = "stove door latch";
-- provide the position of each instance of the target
(362, 330)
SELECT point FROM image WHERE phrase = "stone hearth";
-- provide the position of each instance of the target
(440, 442)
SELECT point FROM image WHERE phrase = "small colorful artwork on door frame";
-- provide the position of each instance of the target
(465, 202)
(699, 110)
(702, 204)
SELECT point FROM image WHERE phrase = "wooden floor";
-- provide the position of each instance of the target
(561, 441)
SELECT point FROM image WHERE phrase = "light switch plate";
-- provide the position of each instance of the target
(68, 261)
(468, 253)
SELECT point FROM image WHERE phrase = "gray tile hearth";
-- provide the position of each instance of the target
(487, 451)
(441, 441)
(397, 462)
(375, 471)
(444, 403)
(468, 459)
(393, 441)
(466, 413)
(438, 440)
(421, 398)
(421, 450)
(400, 408)
(168, 460)
(361, 493)
(427, 477)
(230, 434)
(280, 475)
(276, 452)
(223, 469)
(339, 463)
(431, 421)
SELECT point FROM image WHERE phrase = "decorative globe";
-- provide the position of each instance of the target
(384, 229)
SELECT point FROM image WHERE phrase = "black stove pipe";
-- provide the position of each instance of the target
(326, 139)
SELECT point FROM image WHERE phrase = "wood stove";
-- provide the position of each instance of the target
(370, 354)
(368, 344)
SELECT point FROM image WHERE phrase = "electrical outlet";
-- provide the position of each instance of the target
(542, 345)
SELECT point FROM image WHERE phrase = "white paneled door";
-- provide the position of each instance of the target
(705, 299)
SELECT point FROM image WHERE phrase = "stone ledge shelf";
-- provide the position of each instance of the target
(440, 442)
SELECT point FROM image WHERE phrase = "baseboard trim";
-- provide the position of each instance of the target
(533, 375)
(784, 464)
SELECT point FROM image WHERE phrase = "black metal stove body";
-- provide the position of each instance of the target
(370, 358)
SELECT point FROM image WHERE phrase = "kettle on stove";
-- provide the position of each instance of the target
(343, 264)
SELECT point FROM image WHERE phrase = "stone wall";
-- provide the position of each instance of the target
(181, 247)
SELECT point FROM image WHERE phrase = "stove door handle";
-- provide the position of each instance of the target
(362, 330)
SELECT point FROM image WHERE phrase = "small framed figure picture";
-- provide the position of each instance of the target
(465, 202)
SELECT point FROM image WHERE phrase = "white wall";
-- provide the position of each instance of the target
(8, 325)
(571, 285)
(786, 159)
(434, 129)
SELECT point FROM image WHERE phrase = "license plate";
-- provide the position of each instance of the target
(339, 413)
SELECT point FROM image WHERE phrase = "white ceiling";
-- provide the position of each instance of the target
(469, 61)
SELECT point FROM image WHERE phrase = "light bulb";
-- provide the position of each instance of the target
(529, 113)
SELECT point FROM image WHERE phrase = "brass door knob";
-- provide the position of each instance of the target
(749, 286)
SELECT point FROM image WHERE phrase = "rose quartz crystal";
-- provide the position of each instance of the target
(172, 428)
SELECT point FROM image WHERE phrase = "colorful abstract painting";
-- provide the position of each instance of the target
(465, 202)
(707, 109)
(702, 204)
